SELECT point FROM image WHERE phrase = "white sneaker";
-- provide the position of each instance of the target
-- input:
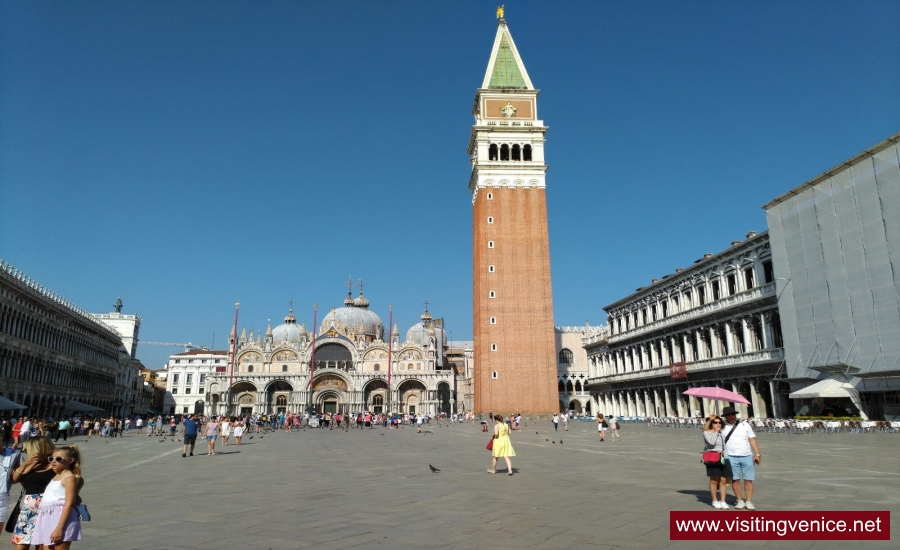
(716, 504)
(740, 505)
(750, 505)
(723, 505)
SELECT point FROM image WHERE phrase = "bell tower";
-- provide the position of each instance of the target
(515, 350)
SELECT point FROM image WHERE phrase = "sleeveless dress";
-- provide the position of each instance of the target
(502, 445)
(34, 484)
(50, 512)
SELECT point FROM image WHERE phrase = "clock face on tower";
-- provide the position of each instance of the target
(508, 111)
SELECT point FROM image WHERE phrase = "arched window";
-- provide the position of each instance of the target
(516, 152)
(504, 152)
(562, 386)
(492, 152)
(569, 387)
(566, 357)
(377, 368)
(526, 152)
(283, 368)
(249, 368)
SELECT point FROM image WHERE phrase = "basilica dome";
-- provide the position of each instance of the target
(289, 331)
(422, 332)
(355, 319)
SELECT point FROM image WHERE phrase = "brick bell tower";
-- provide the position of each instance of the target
(515, 350)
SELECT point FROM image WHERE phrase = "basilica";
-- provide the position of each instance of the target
(345, 365)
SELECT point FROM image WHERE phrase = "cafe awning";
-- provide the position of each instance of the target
(78, 406)
(825, 388)
(7, 405)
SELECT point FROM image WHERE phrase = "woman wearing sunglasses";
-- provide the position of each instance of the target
(34, 473)
(57, 524)
(713, 441)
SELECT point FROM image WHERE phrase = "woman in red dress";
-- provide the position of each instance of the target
(16, 431)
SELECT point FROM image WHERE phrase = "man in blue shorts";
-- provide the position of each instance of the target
(742, 457)
(189, 428)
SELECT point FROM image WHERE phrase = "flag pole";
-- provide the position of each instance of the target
(233, 350)
(312, 361)
(390, 355)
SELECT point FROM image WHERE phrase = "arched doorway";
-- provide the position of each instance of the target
(376, 396)
(328, 402)
(412, 397)
(244, 396)
(443, 395)
(575, 405)
(329, 391)
(198, 407)
(278, 395)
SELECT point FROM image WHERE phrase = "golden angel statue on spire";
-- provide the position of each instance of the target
(500, 11)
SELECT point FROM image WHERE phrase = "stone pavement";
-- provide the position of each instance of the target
(373, 489)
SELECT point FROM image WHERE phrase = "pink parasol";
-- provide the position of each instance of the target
(717, 394)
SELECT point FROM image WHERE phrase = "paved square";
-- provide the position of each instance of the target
(373, 488)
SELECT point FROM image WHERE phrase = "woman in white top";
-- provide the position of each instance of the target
(226, 429)
(238, 430)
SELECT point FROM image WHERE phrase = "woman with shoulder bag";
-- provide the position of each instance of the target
(715, 443)
(502, 447)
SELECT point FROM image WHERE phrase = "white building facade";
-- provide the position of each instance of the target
(715, 323)
(187, 377)
(572, 367)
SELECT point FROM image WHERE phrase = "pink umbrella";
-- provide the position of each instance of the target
(717, 394)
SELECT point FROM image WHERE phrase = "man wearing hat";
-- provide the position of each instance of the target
(743, 456)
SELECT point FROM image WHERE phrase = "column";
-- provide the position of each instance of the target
(759, 405)
(680, 402)
(742, 409)
(766, 330)
(667, 392)
(776, 400)
(656, 404)
(729, 342)
(748, 341)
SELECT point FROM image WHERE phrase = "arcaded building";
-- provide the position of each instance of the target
(56, 358)
(514, 348)
(715, 323)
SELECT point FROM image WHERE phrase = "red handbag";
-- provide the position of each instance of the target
(490, 445)
(712, 457)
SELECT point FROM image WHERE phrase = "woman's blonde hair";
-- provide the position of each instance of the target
(709, 422)
(39, 446)
(72, 452)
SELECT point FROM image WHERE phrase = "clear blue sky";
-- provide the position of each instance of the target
(188, 155)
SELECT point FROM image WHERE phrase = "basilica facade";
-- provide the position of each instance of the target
(345, 365)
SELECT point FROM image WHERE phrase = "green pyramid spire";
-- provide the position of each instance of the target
(506, 73)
